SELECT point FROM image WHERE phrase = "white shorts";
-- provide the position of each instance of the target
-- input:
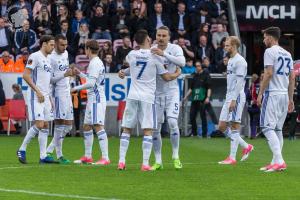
(40, 111)
(63, 108)
(140, 111)
(236, 114)
(170, 104)
(95, 112)
(274, 110)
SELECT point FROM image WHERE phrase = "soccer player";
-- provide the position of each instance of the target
(277, 89)
(140, 103)
(63, 112)
(96, 105)
(167, 96)
(37, 75)
(231, 114)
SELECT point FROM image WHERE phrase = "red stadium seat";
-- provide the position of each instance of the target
(82, 61)
(102, 41)
(16, 111)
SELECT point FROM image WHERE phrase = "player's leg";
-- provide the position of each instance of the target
(172, 110)
(148, 123)
(157, 141)
(59, 152)
(58, 132)
(128, 123)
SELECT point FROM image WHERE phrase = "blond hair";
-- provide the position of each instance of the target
(234, 40)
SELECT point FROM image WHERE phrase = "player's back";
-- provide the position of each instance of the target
(282, 63)
(96, 71)
(143, 72)
(60, 64)
(41, 72)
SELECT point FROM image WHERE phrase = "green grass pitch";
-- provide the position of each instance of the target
(200, 178)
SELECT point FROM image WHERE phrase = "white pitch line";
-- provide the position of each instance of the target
(54, 194)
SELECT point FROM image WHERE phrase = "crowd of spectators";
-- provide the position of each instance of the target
(198, 26)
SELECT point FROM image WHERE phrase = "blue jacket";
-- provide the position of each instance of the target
(74, 24)
(19, 37)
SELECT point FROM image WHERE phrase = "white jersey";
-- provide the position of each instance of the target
(169, 87)
(237, 67)
(41, 73)
(60, 64)
(144, 66)
(282, 63)
(96, 71)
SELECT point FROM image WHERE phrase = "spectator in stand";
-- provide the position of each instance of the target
(25, 38)
(220, 53)
(203, 49)
(4, 5)
(137, 22)
(187, 50)
(80, 39)
(200, 17)
(6, 63)
(77, 21)
(63, 15)
(118, 22)
(109, 65)
(202, 30)
(65, 31)
(100, 25)
(20, 64)
(218, 36)
(189, 68)
(181, 22)
(222, 67)
(216, 8)
(24, 4)
(116, 5)
(82, 5)
(38, 5)
(43, 23)
(141, 5)
(106, 49)
(6, 37)
(206, 64)
(158, 19)
(122, 52)
(18, 92)
(194, 5)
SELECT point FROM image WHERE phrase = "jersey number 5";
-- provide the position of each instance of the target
(143, 64)
(284, 62)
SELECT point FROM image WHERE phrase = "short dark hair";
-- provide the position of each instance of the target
(64, 21)
(60, 37)
(140, 36)
(46, 38)
(273, 31)
(93, 45)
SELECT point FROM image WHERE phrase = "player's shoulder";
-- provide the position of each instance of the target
(173, 47)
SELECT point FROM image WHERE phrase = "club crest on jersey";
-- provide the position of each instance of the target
(47, 69)
(63, 67)
(29, 62)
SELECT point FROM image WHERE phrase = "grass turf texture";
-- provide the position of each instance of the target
(200, 178)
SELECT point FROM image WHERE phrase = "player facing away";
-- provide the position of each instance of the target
(37, 75)
(167, 96)
(143, 67)
(96, 105)
(63, 112)
(276, 90)
(231, 114)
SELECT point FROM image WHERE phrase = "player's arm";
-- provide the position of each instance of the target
(291, 89)
(90, 82)
(57, 78)
(268, 73)
(28, 79)
(124, 72)
(171, 76)
(178, 59)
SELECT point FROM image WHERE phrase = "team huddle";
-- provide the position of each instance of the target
(154, 91)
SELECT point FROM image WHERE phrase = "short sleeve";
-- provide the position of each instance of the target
(31, 62)
(269, 58)
(241, 68)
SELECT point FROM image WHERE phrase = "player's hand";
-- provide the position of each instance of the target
(76, 71)
(206, 101)
(122, 74)
(72, 90)
(40, 97)
(157, 51)
(232, 105)
(69, 72)
(291, 106)
(259, 100)
(178, 71)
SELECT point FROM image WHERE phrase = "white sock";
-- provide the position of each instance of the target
(274, 145)
(59, 141)
(234, 143)
(157, 144)
(32, 132)
(227, 133)
(103, 142)
(57, 132)
(242, 142)
(88, 143)
(124, 143)
(175, 137)
(280, 138)
(43, 138)
(147, 147)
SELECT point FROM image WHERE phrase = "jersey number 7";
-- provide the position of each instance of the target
(143, 64)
